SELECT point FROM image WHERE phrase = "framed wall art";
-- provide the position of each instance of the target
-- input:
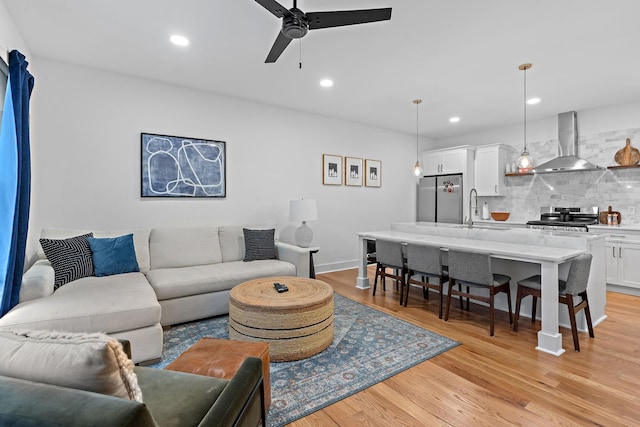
(373, 173)
(331, 169)
(174, 166)
(353, 171)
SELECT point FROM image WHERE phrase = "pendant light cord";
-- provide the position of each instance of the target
(525, 109)
(417, 120)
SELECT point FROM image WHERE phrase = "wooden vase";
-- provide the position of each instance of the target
(627, 156)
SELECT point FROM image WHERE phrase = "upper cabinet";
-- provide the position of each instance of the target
(490, 164)
(446, 161)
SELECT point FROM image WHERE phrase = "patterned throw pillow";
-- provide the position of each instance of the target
(71, 258)
(259, 244)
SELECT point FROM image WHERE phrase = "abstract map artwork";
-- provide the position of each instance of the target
(174, 166)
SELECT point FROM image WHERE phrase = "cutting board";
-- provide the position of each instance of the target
(628, 155)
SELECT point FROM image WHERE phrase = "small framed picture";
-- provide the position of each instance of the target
(331, 169)
(373, 173)
(352, 171)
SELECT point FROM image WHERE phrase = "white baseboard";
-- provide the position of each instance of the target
(336, 266)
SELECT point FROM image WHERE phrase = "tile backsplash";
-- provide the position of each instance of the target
(618, 188)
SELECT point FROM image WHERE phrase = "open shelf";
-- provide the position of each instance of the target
(517, 174)
(623, 167)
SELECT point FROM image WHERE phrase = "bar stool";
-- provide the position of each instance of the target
(389, 255)
(425, 261)
(575, 285)
(474, 270)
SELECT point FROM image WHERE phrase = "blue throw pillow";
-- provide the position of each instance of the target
(113, 255)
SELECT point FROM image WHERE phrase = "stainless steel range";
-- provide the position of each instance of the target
(565, 219)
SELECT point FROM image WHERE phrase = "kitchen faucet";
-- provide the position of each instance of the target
(470, 219)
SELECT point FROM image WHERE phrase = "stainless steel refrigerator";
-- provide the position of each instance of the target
(440, 199)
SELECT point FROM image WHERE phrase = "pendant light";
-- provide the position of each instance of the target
(525, 163)
(417, 169)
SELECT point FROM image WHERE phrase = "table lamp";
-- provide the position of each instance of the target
(302, 211)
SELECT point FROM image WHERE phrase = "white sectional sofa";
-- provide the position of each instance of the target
(185, 274)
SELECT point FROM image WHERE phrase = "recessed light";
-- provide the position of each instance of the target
(326, 82)
(454, 119)
(179, 40)
(532, 101)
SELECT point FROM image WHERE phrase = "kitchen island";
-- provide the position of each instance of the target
(518, 253)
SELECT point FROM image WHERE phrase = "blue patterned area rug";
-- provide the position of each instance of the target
(368, 347)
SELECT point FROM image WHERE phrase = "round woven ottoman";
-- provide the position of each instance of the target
(296, 324)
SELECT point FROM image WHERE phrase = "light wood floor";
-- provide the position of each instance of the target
(500, 380)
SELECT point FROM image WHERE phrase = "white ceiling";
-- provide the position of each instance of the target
(460, 56)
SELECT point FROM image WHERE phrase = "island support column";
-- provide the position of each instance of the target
(363, 279)
(549, 339)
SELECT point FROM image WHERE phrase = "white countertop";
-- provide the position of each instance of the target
(501, 233)
(616, 228)
(619, 229)
(499, 249)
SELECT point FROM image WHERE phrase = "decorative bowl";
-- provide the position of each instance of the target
(500, 216)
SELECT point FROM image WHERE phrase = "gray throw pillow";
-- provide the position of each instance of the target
(259, 244)
(71, 258)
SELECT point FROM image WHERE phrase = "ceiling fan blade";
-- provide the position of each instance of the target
(346, 17)
(274, 7)
(278, 47)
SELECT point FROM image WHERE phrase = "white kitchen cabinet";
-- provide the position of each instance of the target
(446, 161)
(490, 164)
(623, 262)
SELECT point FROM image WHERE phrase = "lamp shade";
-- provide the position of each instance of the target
(303, 210)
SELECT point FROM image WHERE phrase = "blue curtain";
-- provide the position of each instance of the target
(15, 185)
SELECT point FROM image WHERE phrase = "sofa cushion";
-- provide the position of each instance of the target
(232, 241)
(92, 304)
(71, 258)
(140, 241)
(181, 282)
(184, 247)
(177, 398)
(91, 362)
(113, 255)
(259, 244)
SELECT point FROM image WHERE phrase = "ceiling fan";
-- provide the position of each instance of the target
(296, 23)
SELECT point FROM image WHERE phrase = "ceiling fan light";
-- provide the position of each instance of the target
(326, 82)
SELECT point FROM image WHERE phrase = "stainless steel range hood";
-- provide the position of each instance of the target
(567, 160)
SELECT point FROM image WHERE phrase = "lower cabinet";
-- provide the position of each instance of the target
(623, 263)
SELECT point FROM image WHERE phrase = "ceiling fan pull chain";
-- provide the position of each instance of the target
(300, 56)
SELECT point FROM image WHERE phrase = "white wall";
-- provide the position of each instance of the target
(86, 127)
(10, 37)
(598, 120)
